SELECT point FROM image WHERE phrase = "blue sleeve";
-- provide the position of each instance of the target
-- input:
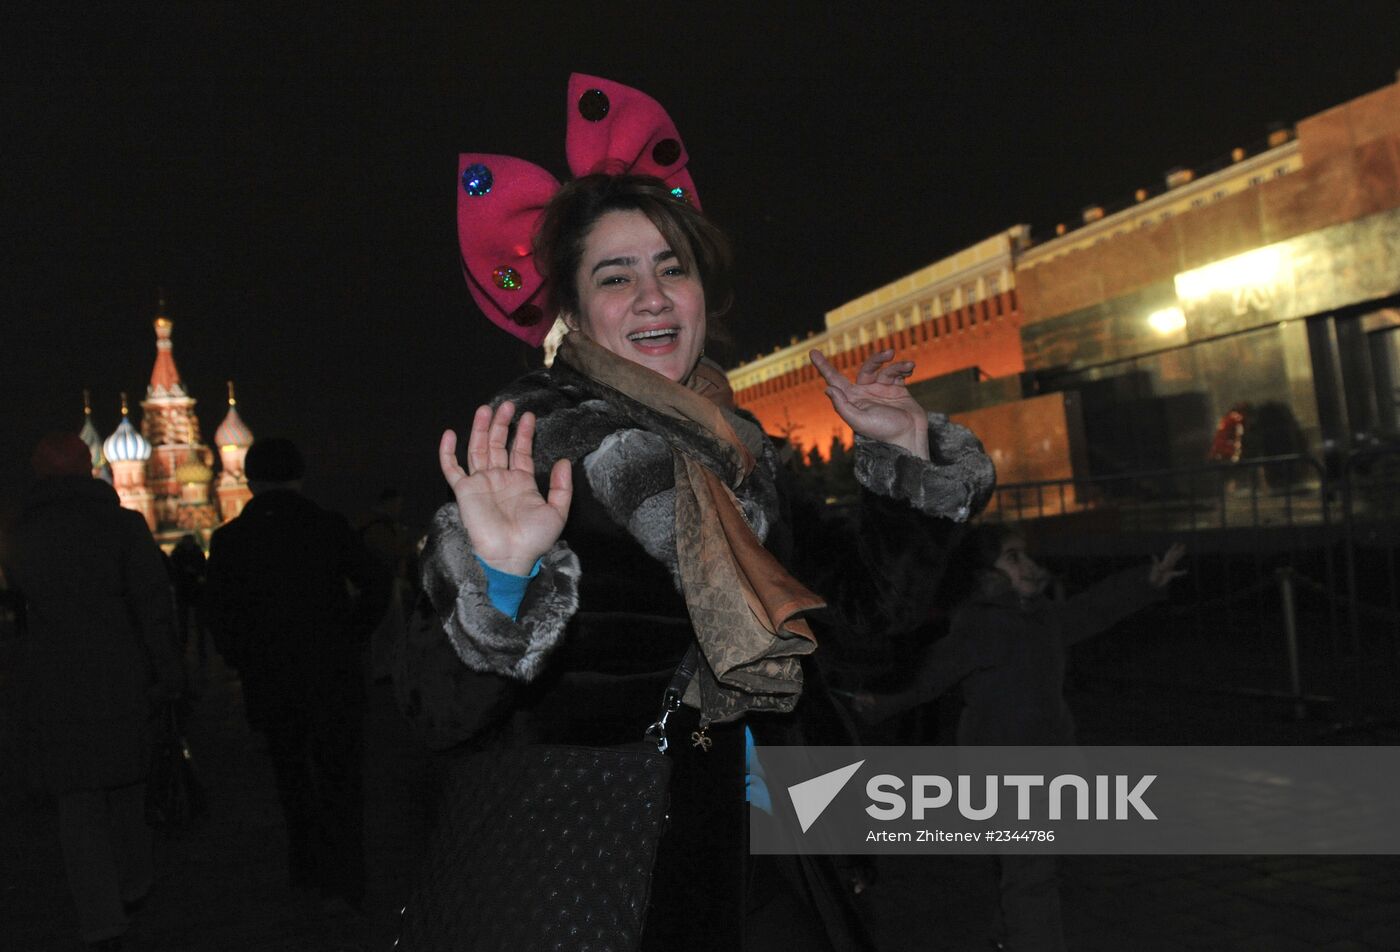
(506, 591)
(755, 787)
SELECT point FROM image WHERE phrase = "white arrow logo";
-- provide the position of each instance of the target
(811, 797)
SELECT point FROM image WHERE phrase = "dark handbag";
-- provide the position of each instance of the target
(174, 796)
(546, 847)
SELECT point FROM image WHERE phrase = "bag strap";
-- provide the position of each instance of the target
(671, 698)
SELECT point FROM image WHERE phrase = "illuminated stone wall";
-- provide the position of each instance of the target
(1350, 169)
(1031, 441)
(985, 335)
(1272, 279)
(1258, 297)
(958, 312)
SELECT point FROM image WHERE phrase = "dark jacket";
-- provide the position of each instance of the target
(100, 631)
(277, 601)
(1008, 654)
(603, 627)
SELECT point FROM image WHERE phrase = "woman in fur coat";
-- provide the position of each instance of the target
(615, 510)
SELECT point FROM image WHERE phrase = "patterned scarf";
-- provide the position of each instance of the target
(743, 605)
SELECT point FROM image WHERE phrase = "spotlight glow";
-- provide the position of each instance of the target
(1168, 320)
(1260, 267)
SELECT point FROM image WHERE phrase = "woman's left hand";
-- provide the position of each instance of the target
(1163, 571)
(878, 405)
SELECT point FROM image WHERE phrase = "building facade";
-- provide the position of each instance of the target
(955, 314)
(1270, 281)
(165, 471)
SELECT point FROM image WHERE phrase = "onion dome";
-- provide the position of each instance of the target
(233, 431)
(89, 435)
(126, 444)
(193, 471)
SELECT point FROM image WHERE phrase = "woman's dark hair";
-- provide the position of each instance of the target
(983, 543)
(975, 559)
(575, 209)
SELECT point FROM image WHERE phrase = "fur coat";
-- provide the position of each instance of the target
(615, 562)
(602, 626)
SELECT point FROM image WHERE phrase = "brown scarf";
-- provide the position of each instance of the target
(743, 604)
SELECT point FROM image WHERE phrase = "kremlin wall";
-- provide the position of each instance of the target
(1270, 278)
(163, 470)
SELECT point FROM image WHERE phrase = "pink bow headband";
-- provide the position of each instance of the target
(612, 128)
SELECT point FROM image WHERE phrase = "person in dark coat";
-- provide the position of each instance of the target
(1006, 647)
(186, 566)
(278, 599)
(100, 648)
(633, 513)
(385, 535)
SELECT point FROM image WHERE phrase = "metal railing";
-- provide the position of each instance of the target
(1370, 492)
(1288, 490)
(1302, 557)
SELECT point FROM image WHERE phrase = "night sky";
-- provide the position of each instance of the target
(289, 178)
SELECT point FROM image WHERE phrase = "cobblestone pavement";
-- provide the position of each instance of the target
(223, 886)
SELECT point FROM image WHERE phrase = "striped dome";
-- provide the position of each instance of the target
(126, 445)
(233, 431)
(93, 439)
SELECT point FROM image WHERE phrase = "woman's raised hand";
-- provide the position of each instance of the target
(510, 524)
(1163, 571)
(878, 405)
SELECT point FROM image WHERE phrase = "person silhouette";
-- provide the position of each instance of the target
(1006, 647)
(278, 599)
(99, 649)
(187, 576)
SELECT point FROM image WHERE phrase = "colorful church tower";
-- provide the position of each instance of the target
(181, 467)
(164, 470)
(233, 439)
(128, 452)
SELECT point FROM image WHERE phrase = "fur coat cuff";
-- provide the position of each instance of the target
(483, 637)
(954, 484)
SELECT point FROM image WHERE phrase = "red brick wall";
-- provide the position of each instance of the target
(986, 335)
(1029, 440)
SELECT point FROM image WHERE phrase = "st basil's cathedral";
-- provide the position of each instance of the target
(163, 470)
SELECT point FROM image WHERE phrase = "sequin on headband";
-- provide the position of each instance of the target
(681, 195)
(666, 152)
(476, 180)
(506, 278)
(593, 105)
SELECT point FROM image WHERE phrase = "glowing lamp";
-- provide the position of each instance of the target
(1257, 268)
(1168, 320)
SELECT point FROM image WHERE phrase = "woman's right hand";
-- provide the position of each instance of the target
(510, 524)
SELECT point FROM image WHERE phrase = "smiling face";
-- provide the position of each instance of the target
(1028, 579)
(638, 298)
